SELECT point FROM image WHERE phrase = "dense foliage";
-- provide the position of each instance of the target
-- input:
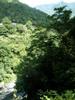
(53, 95)
(50, 60)
(39, 49)
(14, 38)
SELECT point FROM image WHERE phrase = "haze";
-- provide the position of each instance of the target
(34, 3)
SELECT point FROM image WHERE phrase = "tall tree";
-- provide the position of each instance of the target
(61, 18)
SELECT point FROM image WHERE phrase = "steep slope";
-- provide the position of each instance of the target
(21, 13)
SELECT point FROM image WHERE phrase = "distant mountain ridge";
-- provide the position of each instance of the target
(48, 8)
(18, 12)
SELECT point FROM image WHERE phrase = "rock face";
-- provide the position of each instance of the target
(7, 87)
(6, 90)
(10, 85)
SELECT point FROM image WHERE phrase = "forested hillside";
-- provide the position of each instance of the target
(20, 13)
(37, 51)
(14, 38)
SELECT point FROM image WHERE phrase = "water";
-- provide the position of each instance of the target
(6, 96)
(6, 93)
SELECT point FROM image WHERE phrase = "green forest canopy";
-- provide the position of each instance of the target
(39, 50)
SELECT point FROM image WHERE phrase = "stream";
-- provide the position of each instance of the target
(6, 91)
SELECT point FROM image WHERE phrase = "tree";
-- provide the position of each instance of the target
(36, 71)
(61, 18)
(49, 63)
(9, 25)
(3, 30)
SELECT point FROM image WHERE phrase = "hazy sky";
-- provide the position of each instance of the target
(34, 3)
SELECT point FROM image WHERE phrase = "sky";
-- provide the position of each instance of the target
(34, 3)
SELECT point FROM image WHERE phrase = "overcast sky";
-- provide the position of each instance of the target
(34, 3)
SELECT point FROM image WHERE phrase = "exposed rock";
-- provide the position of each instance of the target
(10, 85)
